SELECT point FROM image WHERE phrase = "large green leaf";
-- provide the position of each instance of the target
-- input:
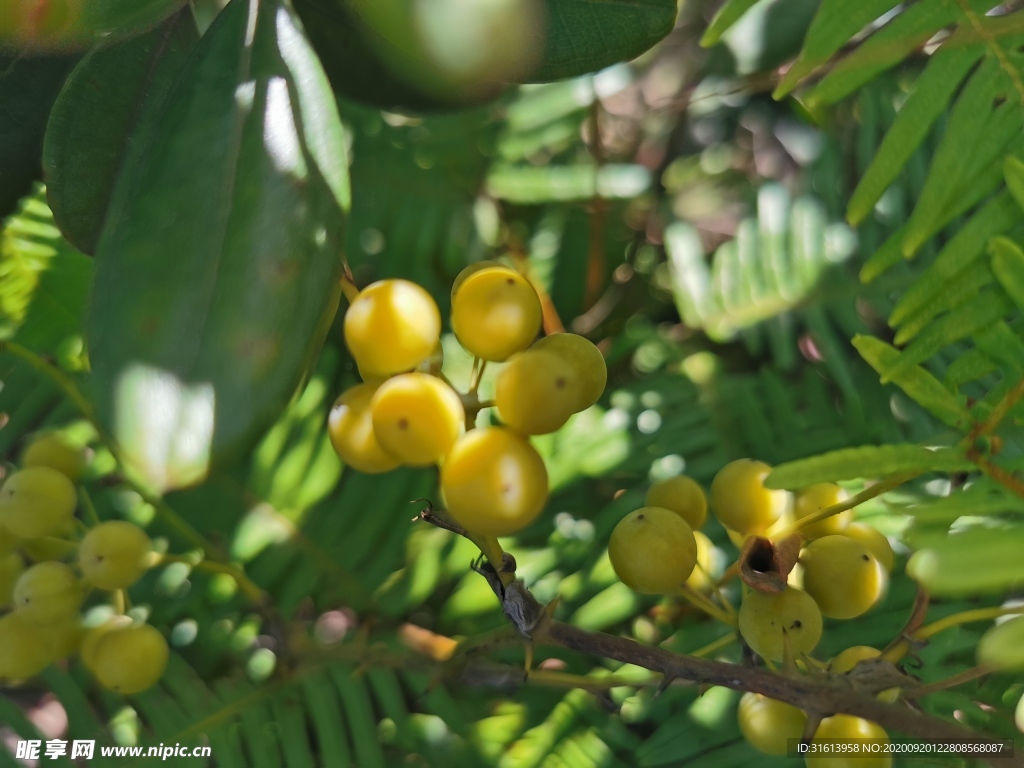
(218, 263)
(28, 88)
(100, 122)
(587, 35)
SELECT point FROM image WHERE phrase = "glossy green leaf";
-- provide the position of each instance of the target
(918, 383)
(928, 99)
(218, 264)
(1008, 266)
(730, 12)
(869, 461)
(102, 119)
(834, 24)
(28, 88)
(584, 36)
(1013, 172)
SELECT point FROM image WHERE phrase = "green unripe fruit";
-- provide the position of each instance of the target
(682, 495)
(768, 724)
(815, 498)
(37, 501)
(766, 617)
(653, 550)
(47, 593)
(114, 555)
(130, 659)
(843, 576)
(1002, 646)
(25, 651)
(56, 452)
(741, 502)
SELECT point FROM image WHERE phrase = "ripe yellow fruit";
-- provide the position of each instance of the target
(56, 452)
(92, 636)
(586, 360)
(494, 482)
(392, 326)
(704, 573)
(741, 502)
(11, 568)
(26, 651)
(874, 540)
(36, 501)
(535, 392)
(47, 593)
(815, 498)
(840, 727)
(653, 550)
(765, 617)
(350, 425)
(130, 659)
(843, 576)
(114, 554)
(683, 496)
(417, 418)
(8, 541)
(495, 312)
(769, 724)
(848, 659)
(64, 638)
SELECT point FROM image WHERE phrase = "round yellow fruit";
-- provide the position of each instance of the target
(683, 496)
(56, 452)
(741, 502)
(130, 659)
(535, 392)
(495, 313)
(11, 568)
(586, 360)
(769, 724)
(417, 418)
(843, 576)
(653, 550)
(392, 326)
(37, 501)
(766, 617)
(840, 727)
(874, 540)
(704, 573)
(92, 636)
(114, 554)
(350, 426)
(815, 498)
(848, 659)
(494, 482)
(47, 593)
(25, 650)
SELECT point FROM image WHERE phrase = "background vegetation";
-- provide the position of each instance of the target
(723, 214)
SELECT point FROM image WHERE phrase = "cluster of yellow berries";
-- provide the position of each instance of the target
(841, 572)
(47, 569)
(406, 412)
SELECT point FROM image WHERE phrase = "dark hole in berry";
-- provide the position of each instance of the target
(560, 382)
(998, 101)
(639, 517)
(510, 281)
(865, 558)
(796, 624)
(506, 488)
(761, 557)
(403, 423)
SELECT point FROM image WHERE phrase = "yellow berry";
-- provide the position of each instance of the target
(817, 497)
(653, 550)
(47, 593)
(494, 482)
(1002, 646)
(683, 496)
(535, 392)
(839, 727)
(417, 418)
(56, 452)
(25, 651)
(741, 502)
(586, 360)
(11, 568)
(704, 573)
(769, 724)
(130, 659)
(36, 501)
(766, 617)
(8, 541)
(64, 638)
(874, 540)
(392, 326)
(843, 576)
(848, 659)
(92, 636)
(350, 425)
(114, 554)
(495, 312)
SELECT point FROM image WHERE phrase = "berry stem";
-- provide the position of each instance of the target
(723, 642)
(902, 646)
(950, 682)
(348, 286)
(882, 486)
(703, 603)
(88, 506)
(247, 585)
